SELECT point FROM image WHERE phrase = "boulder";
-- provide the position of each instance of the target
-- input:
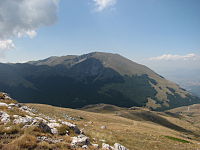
(4, 117)
(103, 127)
(107, 147)
(12, 105)
(84, 147)
(44, 127)
(80, 140)
(53, 125)
(3, 105)
(118, 146)
(72, 126)
(54, 131)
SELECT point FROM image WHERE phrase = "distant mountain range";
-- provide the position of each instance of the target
(187, 78)
(76, 81)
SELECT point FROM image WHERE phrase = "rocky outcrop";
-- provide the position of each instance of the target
(44, 127)
(22, 120)
(72, 126)
(4, 96)
(27, 117)
(80, 140)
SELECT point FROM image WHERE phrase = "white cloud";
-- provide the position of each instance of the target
(6, 45)
(191, 56)
(103, 4)
(19, 18)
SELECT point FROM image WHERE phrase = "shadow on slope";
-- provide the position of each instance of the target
(154, 118)
(140, 115)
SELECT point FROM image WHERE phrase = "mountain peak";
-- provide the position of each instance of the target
(97, 77)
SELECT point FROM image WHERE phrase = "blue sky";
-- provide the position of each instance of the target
(137, 29)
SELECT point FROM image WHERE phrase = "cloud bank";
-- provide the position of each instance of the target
(7, 44)
(167, 57)
(103, 4)
(20, 18)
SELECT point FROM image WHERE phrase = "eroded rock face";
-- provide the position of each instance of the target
(118, 146)
(4, 117)
(80, 140)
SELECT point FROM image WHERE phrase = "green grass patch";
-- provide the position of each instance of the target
(177, 139)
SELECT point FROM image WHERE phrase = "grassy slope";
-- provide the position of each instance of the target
(134, 131)
(189, 113)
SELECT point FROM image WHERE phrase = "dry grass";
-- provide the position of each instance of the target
(62, 129)
(133, 134)
(8, 101)
(123, 126)
(10, 129)
(24, 142)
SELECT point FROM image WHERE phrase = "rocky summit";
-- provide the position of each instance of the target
(22, 127)
(76, 81)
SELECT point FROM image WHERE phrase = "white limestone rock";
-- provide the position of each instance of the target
(3, 105)
(54, 131)
(4, 117)
(49, 140)
(103, 127)
(118, 146)
(12, 105)
(84, 147)
(41, 119)
(107, 147)
(53, 125)
(80, 140)
(22, 120)
(72, 126)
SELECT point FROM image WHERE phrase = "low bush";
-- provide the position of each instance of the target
(177, 139)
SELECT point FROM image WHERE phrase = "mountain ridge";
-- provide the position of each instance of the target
(92, 78)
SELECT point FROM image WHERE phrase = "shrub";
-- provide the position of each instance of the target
(177, 139)
(62, 130)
